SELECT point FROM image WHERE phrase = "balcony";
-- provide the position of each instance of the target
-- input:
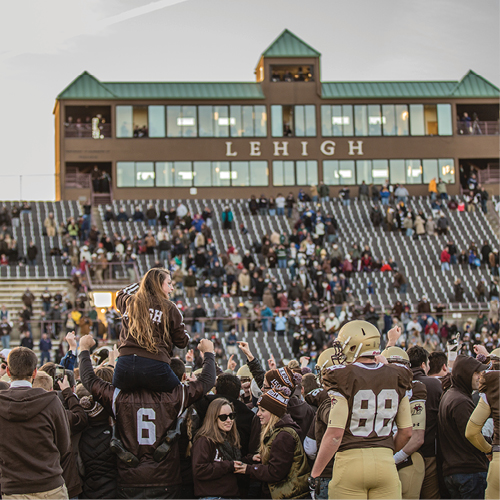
(477, 128)
(87, 130)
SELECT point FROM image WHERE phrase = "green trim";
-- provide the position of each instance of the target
(289, 45)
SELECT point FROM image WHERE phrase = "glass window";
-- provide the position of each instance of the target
(188, 121)
(363, 171)
(374, 120)
(183, 174)
(310, 120)
(221, 173)
(239, 173)
(205, 122)
(173, 118)
(300, 127)
(430, 168)
(260, 122)
(221, 121)
(307, 173)
(326, 120)
(164, 173)
(202, 173)
(380, 171)
(338, 121)
(235, 121)
(444, 119)
(447, 170)
(156, 121)
(360, 120)
(276, 121)
(389, 119)
(247, 121)
(346, 172)
(144, 174)
(413, 172)
(125, 174)
(397, 169)
(124, 121)
(140, 117)
(283, 173)
(347, 120)
(402, 119)
(258, 173)
(338, 173)
(417, 119)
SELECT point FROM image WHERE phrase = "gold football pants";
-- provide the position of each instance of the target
(365, 473)
(412, 477)
(493, 479)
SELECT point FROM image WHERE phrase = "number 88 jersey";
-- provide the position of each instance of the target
(373, 393)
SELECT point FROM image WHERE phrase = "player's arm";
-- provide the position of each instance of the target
(332, 438)
(418, 432)
(475, 425)
(404, 424)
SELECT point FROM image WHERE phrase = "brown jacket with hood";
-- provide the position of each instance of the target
(35, 443)
(460, 456)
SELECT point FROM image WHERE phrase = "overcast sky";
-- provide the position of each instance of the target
(45, 44)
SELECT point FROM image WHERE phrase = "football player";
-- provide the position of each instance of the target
(410, 464)
(489, 387)
(367, 397)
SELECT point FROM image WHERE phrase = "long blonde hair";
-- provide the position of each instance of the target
(210, 428)
(149, 295)
(266, 431)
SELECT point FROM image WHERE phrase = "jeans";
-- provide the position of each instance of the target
(5, 341)
(263, 211)
(265, 325)
(152, 222)
(466, 485)
(31, 262)
(453, 259)
(409, 231)
(433, 196)
(164, 255)
(280, 211)
(346, 203)
(272, 211)
(402, 199)
(323, 488)
(45, 358)
(282, 263)
(289, 212)
(402, 288)
(385, 201)
(445, 266)
(315, 199)
(134, 372)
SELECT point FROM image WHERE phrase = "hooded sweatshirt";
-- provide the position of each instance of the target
(35, 442)
(460, 456)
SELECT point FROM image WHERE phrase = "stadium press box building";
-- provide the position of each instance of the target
(285, 131)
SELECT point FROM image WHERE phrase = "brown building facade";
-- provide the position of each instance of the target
(286, 131)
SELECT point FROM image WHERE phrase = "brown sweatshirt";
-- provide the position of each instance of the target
(177, 334)
(35, 440)
(212, 475)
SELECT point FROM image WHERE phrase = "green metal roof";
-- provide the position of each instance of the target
(87, 86)
(290, 45)
(474, 85)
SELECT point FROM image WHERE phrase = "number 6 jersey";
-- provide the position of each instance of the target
(372, 394)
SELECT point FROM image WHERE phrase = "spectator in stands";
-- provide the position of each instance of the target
(364, 192)
(344, 195)
(408, 225)
(227, 218)
(290, 202)
(32, 253)
(458, 290)
(400, 283)
(138, 216)
(445, 259)
(109, 214)
(122, 215)
(401, 194)
(442, 224)
(28, 298)
(433, 189)
(442, 190)
(151, 215)
(50, 225)
(45, 347)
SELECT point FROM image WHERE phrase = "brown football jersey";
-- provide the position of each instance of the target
(316, 397)
(417, 401)
(489, 386)
(373, 393)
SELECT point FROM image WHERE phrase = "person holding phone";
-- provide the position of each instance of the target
(215, 449)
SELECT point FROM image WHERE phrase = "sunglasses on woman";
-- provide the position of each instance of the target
(225, 416)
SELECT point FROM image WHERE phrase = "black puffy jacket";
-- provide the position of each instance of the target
(99, 462)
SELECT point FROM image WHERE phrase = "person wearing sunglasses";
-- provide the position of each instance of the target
(216, 447)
